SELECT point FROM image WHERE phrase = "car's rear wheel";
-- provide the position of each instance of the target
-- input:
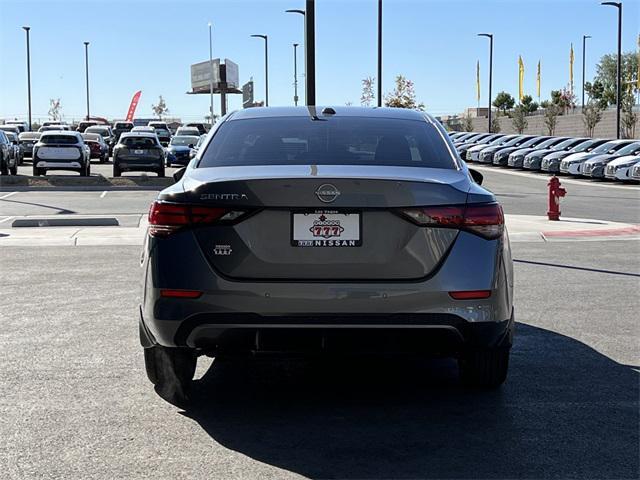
(484, 367)
(84, 171)
(37, 171)
(161, 171)
(171, 371)
(116, 170)
(14, 169)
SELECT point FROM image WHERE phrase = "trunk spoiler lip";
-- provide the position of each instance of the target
(204, 175)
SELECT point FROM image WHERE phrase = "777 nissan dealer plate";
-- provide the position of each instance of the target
(326, 228)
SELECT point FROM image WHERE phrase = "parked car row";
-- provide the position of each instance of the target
(588, 157)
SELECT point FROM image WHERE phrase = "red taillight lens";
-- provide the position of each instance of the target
(166, 218)
(470, 294)
(484, 219)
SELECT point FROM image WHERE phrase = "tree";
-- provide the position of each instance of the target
(551, 117)
(504, 101)
(606, 75)
(367, 92)
(595, 92)
(591, 116)
(628, 117)
(528, 105)
(161, 108)
(519, 118)
(495, 125)
(403, 95)
(467, 123)
(55, 108)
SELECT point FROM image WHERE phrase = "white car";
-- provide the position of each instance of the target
(61, 150)
(620, 168)
(190, 131)
(144, 129)
(634, 173)
(573, 163)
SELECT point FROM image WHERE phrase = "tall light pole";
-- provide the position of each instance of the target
(584, 57)
(490, 37)
(379, 53)
(26, 29)
(301, 12)
(211, 78)
(266, 67)
(295, 74)
(618, 5)
(86, 69)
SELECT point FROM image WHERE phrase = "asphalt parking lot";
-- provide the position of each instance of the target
(77, 403)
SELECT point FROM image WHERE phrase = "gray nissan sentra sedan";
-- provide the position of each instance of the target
(326, 231)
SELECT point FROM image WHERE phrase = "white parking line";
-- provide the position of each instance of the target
(5, 219)
(103, 194)
(7, 195)
(546, 178)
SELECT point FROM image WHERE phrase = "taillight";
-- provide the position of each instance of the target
(484, 219)
(166, 218)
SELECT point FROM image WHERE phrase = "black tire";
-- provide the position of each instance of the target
(14, 169)
(84, 171)
(171, 372)
(116, 170)
(168, 164)
(37, 171)
(161, 171)
(484, 368)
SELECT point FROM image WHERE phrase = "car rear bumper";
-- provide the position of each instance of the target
(140, 163)
(62, 164)
(338, 307)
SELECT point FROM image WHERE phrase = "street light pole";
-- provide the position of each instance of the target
(490, 37)
(295, 74)
(26, 29)
(266, 67)
(86, 64)
(379, 53)
(618, 5)
(211, 78)
(584, 56)
(301, 12)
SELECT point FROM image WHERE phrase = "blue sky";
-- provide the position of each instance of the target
(148, 45)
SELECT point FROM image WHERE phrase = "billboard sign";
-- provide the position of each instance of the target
(247, 94)
(233, 77)
(201, 75)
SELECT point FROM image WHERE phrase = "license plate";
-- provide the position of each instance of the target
(138, 152)
(326, 228)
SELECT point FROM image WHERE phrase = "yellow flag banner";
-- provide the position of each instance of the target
(520, 78)
(538, 80)
(571, 58)
(478, 81)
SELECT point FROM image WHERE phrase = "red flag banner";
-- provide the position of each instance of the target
(134, 104)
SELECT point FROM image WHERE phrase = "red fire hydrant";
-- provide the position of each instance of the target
(555, 192)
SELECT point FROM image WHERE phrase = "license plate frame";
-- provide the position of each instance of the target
(347, 220)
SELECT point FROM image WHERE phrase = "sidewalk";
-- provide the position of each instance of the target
(132, 230)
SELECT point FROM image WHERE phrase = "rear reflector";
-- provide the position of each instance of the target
(470, 294)
(484, 219)
(166, 218)
(168, 293)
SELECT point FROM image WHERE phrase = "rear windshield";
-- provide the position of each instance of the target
(184, 141)
(59, 139)
(99, 130)
(123, 126)
(139, 142)
(29, 136)
(338, 141)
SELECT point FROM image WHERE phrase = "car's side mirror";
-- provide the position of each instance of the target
(476, 175)
(178, 174)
